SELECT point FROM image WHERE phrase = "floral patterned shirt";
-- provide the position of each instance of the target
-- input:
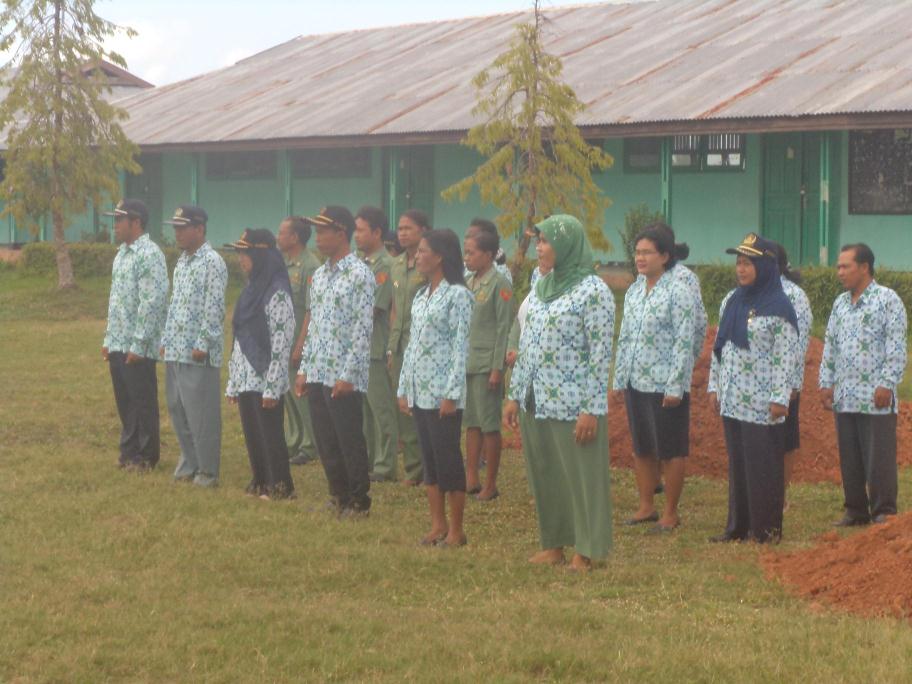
(138, 301)
(565, 352)
(655, 345)
(747, 381)
(865, 348)
(692, 282)
(241, 375)
(341, 324)
(197, 308)
(802, 308)
(434, 364)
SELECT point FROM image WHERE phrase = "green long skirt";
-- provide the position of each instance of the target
(571, 484)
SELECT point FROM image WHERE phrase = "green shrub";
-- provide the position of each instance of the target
(819, 282)
(636, 218)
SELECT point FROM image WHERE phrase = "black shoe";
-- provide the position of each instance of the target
(653, 517)
(881, 518)
(659, 488)
(849, 521)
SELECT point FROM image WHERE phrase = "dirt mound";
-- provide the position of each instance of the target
(818, 459)
(868, 573)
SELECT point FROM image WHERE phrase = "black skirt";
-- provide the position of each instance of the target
(663, 433)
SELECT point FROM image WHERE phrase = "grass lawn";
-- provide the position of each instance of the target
(111, 576)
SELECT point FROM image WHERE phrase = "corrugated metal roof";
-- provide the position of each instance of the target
(666, 61)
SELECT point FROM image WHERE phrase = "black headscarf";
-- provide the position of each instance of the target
(269, 275)
(765, 297)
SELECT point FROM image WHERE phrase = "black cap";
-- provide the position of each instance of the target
(754, 246)
(187, 215)
(132, 208)
(253, 238)
(336, 217)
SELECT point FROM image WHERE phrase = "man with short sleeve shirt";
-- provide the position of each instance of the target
(192, 347)
(292, 238)
(136, 315)
(381, 427)
(864, 356)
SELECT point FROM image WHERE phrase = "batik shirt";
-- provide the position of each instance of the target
(865, 348)
(690, 279)
(655, 345)
(138, 302)
(565, 353)
(747, 381)
(241, 375)
(341, 323)
(197, 308)
(802, 308)
(434, 364)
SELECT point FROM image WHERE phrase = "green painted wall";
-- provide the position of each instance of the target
(888, 236)
(452, 163)
(309, 195)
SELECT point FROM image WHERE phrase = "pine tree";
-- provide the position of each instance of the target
(537, 161)
(65, 146)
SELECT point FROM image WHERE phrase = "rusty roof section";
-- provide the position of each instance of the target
(678, 63)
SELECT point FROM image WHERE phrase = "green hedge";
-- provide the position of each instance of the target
(95, 259)
(819, 282)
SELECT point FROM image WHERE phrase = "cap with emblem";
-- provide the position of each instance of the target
(754, 246)
(336, 217)
(253, 238)
(130, 208)
(188, 215)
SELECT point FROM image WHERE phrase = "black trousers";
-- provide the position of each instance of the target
(867, 456)
(264, 433)
(136, 394)
(756, 480)
(440, 454)
(338, 426)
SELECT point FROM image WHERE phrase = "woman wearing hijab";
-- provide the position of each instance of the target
(432, 384)
(559, 397)
(750, 380)
(263, 327)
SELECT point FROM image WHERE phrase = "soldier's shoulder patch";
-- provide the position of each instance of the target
(506, 295)
(310, 280)
(382, 277)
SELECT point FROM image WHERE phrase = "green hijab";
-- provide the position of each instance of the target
(572, 256)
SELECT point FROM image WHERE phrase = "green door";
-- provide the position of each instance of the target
(147, 186)
(791, 194)
(409, 180)
(782, 171)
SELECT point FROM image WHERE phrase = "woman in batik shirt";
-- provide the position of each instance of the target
(559, 396)
(432, 384)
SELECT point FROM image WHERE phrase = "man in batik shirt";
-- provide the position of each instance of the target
(192, 349)
(136, 316)
(864, 356)
(335, 362)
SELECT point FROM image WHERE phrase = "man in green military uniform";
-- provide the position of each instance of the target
(381, 416)
(406, 282)
(301, 262)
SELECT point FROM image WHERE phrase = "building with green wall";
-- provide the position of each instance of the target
(791, 119)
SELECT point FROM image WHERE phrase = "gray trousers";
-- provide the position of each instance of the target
(867, 456)
(195, 406)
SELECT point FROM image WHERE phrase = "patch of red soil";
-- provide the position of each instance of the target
(818, 458)
(868, 573)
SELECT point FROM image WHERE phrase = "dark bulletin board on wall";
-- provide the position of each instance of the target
(880, 172)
